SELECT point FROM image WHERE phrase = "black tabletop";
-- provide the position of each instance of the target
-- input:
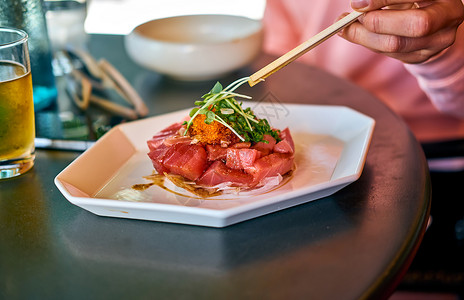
(355, 244)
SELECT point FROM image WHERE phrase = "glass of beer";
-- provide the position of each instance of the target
(17, 131)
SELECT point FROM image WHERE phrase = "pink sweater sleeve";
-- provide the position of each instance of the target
(442, 77)
(428, 96)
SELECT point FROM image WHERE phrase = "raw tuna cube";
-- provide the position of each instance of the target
(171, 129)
(263, 147)
(240, 159)
(283, 147)
(271, 165)
(218, 173)
(159, 138)
(174, 139)
(285, 135)
(154, 143)
(186, 160)
(216, 152)
(157, 156)
(286, 144)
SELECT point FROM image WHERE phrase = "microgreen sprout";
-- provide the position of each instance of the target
(220, 105)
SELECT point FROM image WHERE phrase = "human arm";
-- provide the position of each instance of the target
(426, 37)
(408, 30)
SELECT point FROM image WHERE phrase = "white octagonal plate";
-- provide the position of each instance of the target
(331, 146)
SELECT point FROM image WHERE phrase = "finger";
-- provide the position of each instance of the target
(402, 6)
(415, 57)
(357, 33)
(424, 3)
(369, 5)
(396, 46)
(414, 22)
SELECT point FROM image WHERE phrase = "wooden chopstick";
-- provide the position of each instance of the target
(124, 87)
(107, 76)
(80, 97)
(114, 108)
(301, 49)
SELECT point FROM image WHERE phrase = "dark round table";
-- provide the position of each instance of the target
(355, 244)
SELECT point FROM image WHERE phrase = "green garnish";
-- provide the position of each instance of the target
(220, 105)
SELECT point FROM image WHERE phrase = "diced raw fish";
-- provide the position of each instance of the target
(216, 152)
(283, 147)
(159, 137)
(285, 135)
(271, 165)
(240, 164)
(263, 147)
(174, 139)
(154, 143)
(219, 173)
(157, 156)
(186, 160)
(241, 159)
(286, 144)
(172, 129)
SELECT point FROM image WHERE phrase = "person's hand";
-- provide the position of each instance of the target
(411, 31)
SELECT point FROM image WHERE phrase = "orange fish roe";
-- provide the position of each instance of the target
(214, 133)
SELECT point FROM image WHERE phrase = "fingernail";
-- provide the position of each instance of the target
(358, 4)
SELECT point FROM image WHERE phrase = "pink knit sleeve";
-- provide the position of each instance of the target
(442, 77)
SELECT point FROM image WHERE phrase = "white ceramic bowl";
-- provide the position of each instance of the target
(195, 47)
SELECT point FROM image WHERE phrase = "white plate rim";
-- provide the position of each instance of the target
(225, 217)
